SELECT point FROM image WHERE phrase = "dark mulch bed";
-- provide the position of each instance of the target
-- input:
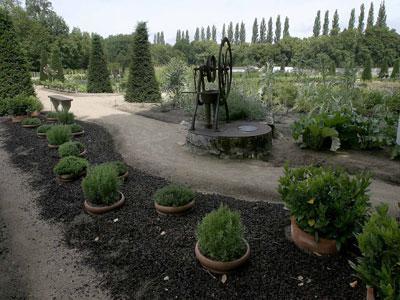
(136, 257)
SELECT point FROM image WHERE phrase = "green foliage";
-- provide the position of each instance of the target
(120, 167)
(98, 74)
(52, 114)
(142, 84)
(65, 117)
(384, 72)
(395, 155)
(75, 128)
(21, 105)
(379, 243)
(396, 69)
(244, 107)
(44, 65)
(367, 74)
(220, 235)
(173, 195)
(72, 148)
(58, 135)
(71, 165)
(326, 203)
(174, 80)
(15, 79)
(66, 86)
(56, 68)
(101, 184)
(31, 121)
(43, 128)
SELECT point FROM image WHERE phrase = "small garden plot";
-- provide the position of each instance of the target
(145, 255)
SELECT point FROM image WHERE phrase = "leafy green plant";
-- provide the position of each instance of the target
(31, 121)
(21, 105)
(71, 165)
(379, 265)
(101, 185)
(65, 117)
(220, 235)
(75, 128)
(72, 148)
(395, 155)
(52, 114)
(119, 166)
(43, 128)
(326, 203)
(173, 195)
(174, 80)
(58, 135)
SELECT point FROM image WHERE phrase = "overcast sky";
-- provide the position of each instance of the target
(108, 17)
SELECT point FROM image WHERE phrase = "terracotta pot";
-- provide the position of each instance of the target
(69, 177)
(51, 120)
(221, 267)
(78, 133)
(370, 293)
(53, 146)
(172, 210)
(30, 126)
(18, 119)
(41, 135)
(35, 114)
(124, 176)
(98, 210)
(307, 242)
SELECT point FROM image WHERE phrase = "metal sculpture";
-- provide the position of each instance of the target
(212, 99)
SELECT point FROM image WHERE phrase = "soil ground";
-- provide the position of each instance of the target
(158, 147)
(138, 254)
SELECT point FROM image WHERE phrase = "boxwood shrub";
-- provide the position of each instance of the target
(44, 128)
(75, 128)
(71, 165)
(101, 184)
(119, 166)
(379, 244)
(72, 148)
(22, 104)
(52, 114)
(58, 135)
(326, 203)
(173, 195)
(31, 121)
(220, 235)
(65, 117)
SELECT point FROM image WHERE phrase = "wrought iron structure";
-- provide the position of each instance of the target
(212, 99)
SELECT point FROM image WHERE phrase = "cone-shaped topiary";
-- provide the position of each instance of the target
(44, 65)
(14, 75)
(142, 84)
(396, 69)
(367, 74)
(56, 64)
(98, 75)
(384, 73)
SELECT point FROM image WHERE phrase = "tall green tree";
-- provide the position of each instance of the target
(381, 19)
(242, 33)
(214, 33)
(384, 72)
(367, 73)
(278, 29)
(270, 33)
(237, 34)
(361, 18)
(178, 36)
(286, 28)
(162, 39)
(230, 32)
(44, 65)
(56, 66)
(202, 35)
(325, 29)
(254, 36)
(142, 85)
(370, 20)
(223, 31)
(98, 80)
(396, 69)
(352, 20)
(317, 24)
(187, 38)
(197, 34)
(14, 76)
(208, 34)
(263, 31)
(335, 24)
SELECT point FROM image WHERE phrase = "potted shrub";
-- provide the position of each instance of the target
(51, 116)
(70, 168)
(65, 117)
(220, 246)
(20, 106)
(31, 122)
(58, 135)
(379, 267)
(327, 206)
(41, 131)
(72, 148)
(173, 199)
(76, 129)
(121, 168)
(100, 188)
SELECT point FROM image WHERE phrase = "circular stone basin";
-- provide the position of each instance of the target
(237, 139)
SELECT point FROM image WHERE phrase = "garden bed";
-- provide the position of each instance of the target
(144, 255)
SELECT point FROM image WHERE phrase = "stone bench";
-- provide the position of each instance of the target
(65, 102)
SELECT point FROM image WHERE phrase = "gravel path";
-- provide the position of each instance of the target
(158, 147)
(34, 262)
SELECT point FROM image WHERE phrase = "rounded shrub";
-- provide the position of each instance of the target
(21, 105)
(65, 117)
(58, 135)
(119, 166)
(52, 115)
(71, 165)
(75, 128)
(43, 128)
(326, 203)
(72, 148)
(101, 185)
(173, 195)
(31, 121)
(220, 235)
